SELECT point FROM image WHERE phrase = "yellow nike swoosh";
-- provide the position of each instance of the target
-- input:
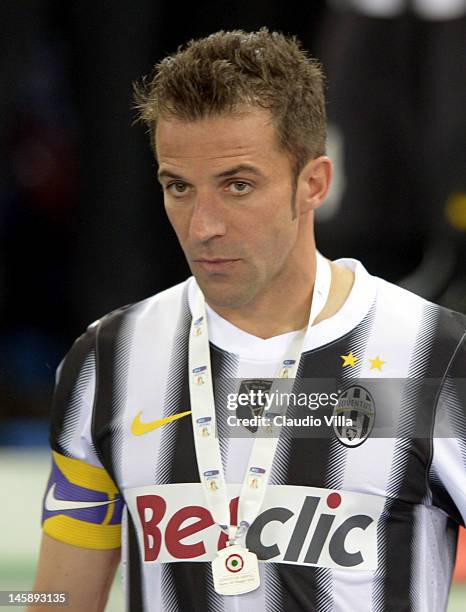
(138, 428)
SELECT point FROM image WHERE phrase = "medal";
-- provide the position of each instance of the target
(236, 570)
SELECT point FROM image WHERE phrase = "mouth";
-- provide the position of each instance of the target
(216, 265)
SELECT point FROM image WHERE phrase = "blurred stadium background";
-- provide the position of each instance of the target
(82, 227)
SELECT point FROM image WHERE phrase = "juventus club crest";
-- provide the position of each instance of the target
(356, 404)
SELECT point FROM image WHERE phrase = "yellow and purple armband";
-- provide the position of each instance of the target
(82, 505)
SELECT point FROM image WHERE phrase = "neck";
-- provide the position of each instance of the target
(284, 305)
(265, 320)
(289, 309)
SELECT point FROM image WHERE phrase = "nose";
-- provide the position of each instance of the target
(207, 219)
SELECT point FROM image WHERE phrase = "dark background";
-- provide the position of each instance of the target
(82, 225)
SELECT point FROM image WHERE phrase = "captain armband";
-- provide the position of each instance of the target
(82, 505)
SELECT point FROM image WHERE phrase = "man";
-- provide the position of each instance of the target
(338, 522)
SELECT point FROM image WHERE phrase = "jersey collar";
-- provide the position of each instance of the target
(232, 339)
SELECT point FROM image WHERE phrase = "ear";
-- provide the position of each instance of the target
(314, 183)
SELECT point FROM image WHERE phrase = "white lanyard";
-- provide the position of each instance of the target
(203, 414)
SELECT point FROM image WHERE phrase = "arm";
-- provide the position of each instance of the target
(86, 574)
(82, 507)
(448, 468)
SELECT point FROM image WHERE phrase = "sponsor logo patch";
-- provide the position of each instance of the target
(297, 525)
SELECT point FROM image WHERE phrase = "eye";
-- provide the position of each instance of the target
(241, 187)
(179, 188)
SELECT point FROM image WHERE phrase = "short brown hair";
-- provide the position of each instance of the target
(217, 74)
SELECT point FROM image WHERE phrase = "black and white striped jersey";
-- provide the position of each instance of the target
(344, 527)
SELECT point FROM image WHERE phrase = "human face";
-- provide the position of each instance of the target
(227, 193)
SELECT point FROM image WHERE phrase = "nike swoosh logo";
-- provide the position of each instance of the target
(52, 504)
(138, 428)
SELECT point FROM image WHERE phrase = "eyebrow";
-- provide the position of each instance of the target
(226, 173)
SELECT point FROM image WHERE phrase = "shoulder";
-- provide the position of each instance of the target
(160, 309)
(405, 306)
(423, 335)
